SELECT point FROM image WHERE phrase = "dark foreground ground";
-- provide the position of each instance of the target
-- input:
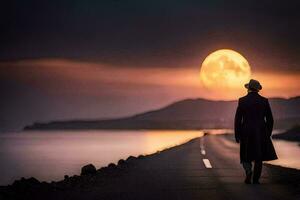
(176, 173)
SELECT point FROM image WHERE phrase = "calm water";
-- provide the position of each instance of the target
(288, 154)
(50, 155)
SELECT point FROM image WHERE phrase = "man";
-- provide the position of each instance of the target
(253, 129)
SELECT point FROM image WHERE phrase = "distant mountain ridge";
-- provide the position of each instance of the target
(184, 114)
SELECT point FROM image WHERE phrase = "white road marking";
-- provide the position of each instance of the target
(202, 149)
(203, 152)
(207, 163)
(201, 143)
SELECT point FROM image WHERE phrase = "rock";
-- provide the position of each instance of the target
(101, 169)
(121, 162)
(206, 133)
(88, 169)
(26, 182)
(130, 159)
(111, 165)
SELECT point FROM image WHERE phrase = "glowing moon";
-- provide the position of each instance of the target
(226, 69)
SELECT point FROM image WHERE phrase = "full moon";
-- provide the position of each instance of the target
(225, 69)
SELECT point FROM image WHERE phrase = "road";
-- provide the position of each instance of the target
(229, 175)
(204, 168)
(181, 173)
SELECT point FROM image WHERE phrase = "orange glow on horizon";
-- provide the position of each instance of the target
(160, 140)
(61, 76)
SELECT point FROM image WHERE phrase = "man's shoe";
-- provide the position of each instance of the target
(248, 178)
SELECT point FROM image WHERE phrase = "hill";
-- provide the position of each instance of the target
(185, 114)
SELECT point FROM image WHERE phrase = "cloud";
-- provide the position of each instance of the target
(152, 33)
(86, 59)
(73, 77)
(90, 77)
(48, 89)
(276, 84)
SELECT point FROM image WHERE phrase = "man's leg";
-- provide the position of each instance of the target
(257, 171)
(248, 170)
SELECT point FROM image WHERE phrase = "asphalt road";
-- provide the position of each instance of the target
(209, 168)
(229, 175)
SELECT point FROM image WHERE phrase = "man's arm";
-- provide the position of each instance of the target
(269, 119)
(238, 123)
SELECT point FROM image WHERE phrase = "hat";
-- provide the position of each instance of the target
(253, 85)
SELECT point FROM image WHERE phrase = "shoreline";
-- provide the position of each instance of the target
(132, 158)
(107, 178)
(292, 134)
(226, 135)
(118, 165)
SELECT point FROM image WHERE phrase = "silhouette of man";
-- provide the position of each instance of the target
(253, 129)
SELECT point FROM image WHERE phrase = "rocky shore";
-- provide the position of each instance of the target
(93, 182)
(89, 178)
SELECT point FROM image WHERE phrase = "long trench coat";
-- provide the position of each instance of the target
(253, 128)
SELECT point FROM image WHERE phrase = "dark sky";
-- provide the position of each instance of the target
(144, 33)
(92, 59)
